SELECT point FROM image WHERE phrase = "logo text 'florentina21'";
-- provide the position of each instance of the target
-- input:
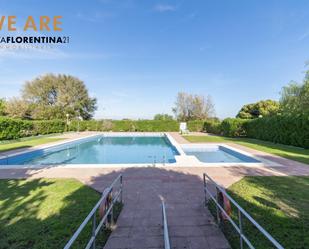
(42, 23)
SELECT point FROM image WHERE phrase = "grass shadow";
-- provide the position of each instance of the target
(42, 213)
(279, 204)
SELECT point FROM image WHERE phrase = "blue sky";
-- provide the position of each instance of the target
(134, 55)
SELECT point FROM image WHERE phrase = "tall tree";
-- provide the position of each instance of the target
(295, 97)
(2, 107)
(163, 117)
(18, 108)
(53, 96)
(262, 108)
(193, 107)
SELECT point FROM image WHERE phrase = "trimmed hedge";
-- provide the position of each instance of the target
(48, 127)
(195, 125)
(233, 127)
(156, 125)
(212, 126)
(17, 128)
(134, 125)
(88, 125)
(126, 125)
(145, 125)
(14, 128)
(290, 130)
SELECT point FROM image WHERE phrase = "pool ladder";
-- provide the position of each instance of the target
(5, 159)
(155, 160)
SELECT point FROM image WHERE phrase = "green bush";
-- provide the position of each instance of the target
(233, 127)
(43, 127)
(155, 125)
(14, 128)
(86, 125)
(290, 130)
(196, 125)
(212, 126)
(125, 125)
(285, 129)
(17, 128)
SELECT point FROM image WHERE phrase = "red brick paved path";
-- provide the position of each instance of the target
(140, 222)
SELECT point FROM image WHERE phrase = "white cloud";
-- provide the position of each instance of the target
(164, 7)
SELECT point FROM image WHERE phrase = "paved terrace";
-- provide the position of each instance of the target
(140, 222)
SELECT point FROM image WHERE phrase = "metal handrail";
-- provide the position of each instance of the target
(165, 228)
(241, 212)
(92, 215)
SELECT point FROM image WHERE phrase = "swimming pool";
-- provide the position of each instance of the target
(101, 150)
(218, 154)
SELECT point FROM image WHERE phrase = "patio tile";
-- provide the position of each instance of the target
(180, 187)
(190, 223)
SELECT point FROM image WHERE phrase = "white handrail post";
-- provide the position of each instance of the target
(241, 213)
(240, 229)
(165, 228)
(93, 230)
(108, 214)
(121, 189)
(217, 208)
(205, 187)
(112, 217)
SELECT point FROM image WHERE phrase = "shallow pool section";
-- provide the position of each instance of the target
(101, 150)
(218, 154)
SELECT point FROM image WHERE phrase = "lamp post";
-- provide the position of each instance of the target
(79, 118)
(67, 115)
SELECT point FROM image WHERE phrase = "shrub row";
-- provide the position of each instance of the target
(233, 127)
(196, 125)
(48, 127)
(230, 127)
(14, 128)
(125, 125)
(290, 130)
(212, 126)
(17, 128)
(134, 125)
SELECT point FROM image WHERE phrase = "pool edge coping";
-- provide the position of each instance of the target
(182, 160)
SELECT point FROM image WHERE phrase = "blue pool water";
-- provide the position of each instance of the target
(219, 154)
(102, 150)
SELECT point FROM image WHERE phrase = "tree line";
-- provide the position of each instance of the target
(294, 100)
(53, 96)
(50, 97)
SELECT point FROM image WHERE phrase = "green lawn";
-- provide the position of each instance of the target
(279, 204)
(43, 213)
(25, 143)
(290, 152)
